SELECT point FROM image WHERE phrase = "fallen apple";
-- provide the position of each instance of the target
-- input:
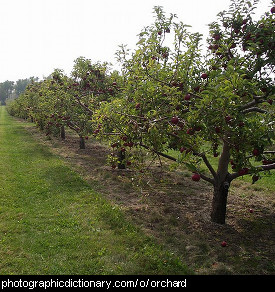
(224, 244)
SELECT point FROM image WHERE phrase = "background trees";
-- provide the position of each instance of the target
(5, 90)
(11, 89)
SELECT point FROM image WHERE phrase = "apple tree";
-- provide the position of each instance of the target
(218, 106)
(90, 85)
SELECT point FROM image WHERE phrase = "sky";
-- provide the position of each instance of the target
(38, 36)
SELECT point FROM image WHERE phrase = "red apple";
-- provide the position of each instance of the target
(228, 119)
(130, 144)
(187, 96)
(182, 149)
(256, 152)
(174, 120)
(215, 47)
(216, 36)
(204, 75)
(138, 106)
(197, 88)
(196, 177)
(224, 244)
(272, 10)
(243, 171)
(217, 130)
(190, 131)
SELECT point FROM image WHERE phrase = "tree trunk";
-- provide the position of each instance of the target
(219, 203)
(41, 125)
(121, 160)
(81, 142)
(62, 132)
(221, 186)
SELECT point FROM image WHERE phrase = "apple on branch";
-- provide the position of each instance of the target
(174, 120)
(196, 177)
(204, 75)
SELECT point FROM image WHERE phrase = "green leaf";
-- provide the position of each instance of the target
(141, 41)
(191, 167)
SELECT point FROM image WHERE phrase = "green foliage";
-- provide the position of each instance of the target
(171, 96)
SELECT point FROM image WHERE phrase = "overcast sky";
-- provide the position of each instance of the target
(38, 36)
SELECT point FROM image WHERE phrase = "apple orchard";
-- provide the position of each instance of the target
(171, 95)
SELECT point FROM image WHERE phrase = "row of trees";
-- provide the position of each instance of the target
(169, 96)
(11, 89)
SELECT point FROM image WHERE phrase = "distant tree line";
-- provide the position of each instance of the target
(11, 89)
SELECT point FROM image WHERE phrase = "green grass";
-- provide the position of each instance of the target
(53, 222)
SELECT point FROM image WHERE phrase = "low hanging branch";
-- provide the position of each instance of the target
(204, 177)
(251, 104)
(258, 168)
(84, 106)
(254, 109)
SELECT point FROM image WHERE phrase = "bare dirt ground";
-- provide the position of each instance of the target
(176, 211)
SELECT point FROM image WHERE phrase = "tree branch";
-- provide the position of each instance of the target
(131, 116)
(206, 178)
(257, 100)
(258, 168)
(207, 163)
(73, 127)
(159, 153)
(84, 106)
(254, 109)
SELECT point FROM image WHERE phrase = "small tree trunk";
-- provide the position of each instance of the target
(219, 203)
(62, 132)
(81, 142)
(121, 160)
(41, 125)
(221, 187)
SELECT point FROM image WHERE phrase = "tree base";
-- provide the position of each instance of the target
(81, 143)
(219, 203)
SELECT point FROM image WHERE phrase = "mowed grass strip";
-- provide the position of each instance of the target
(52, 222)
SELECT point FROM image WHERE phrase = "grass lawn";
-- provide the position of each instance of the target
(53, 222)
